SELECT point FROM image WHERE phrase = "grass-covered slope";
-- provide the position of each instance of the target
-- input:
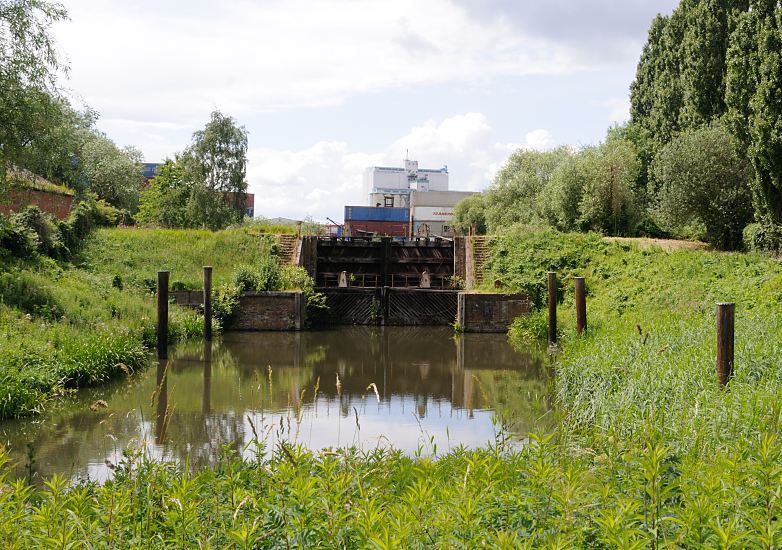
(136, 255)
(66, 325)
(648, 361)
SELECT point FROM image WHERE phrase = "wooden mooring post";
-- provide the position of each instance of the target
(162, 314)
(552, 308)
(725, 324)
(208, 303)
(581, 307)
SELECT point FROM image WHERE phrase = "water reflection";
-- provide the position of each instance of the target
(409, 388)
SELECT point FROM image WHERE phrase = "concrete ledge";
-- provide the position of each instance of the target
(478, 312)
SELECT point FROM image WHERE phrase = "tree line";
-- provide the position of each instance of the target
(46, 133)
(701, 156)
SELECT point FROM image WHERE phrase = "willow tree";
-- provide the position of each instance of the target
(217, 161)
(29, 64)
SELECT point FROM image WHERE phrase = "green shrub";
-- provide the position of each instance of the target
(245, 278)
(44, 227)
(269, 274)
(17, 239)
(530, 328)
(702, 179)
(225, 301)
(763, 237)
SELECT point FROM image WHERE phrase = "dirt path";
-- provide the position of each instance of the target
(666, 244)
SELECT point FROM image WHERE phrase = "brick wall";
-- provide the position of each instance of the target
(56, 204)
(460, 257)
(490, 312)
(269, 311)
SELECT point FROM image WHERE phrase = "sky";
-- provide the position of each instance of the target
(326, 88)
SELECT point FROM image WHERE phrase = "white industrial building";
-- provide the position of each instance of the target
(423, 191)
(432, 213)
(391, 186)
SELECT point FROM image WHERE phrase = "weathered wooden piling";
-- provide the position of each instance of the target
(725, 323)
(208, 303)
(581, 307)
(162, 314)
(552, 308)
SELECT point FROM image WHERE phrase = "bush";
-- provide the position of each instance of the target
(703, 181)
(85, 216)
(245, 278)
(269, 274)
(763, 237)
(225, 302)
(530, 328)
(43, 228)
(17, 238)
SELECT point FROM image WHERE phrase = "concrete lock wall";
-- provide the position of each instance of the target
(490, 312)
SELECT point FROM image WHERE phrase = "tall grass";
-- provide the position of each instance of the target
(623, 494)
(135, 255)
(647, 450)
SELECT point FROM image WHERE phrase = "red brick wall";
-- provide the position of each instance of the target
(56, 204)
(269, 311)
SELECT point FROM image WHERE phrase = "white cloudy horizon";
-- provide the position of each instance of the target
(328, 87)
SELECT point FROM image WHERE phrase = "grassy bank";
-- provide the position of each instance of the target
(65, 325)
(647, 451)
(136, 255)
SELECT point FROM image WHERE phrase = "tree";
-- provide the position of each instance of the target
(513, 196)
(608, 203)
(164, 200)
(217, 159)
(704, 181)
(205, 186)
(113, 174)
(28, 69)
(561, 198)
(704, 46)
(754, 98)
(469, 214)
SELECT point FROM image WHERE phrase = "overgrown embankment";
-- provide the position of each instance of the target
(647, 365)
(68, 324)
(648, 450)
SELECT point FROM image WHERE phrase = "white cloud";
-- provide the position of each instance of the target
(538, 140)
(619, 109)
(320, 180)
(167, 65)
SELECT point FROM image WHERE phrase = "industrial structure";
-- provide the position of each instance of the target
(404, 202)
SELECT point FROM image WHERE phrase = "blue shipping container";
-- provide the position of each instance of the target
(377, 214)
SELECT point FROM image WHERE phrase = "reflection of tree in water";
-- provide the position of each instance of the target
(197, 435)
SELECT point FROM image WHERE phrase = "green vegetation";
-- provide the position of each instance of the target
(136, 255)
(205, 186)
(65, 325)
(700, 157)
(646, 450)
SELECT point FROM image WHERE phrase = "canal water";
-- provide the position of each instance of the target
(417, 389)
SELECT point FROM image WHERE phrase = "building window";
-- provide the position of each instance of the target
(389, 201)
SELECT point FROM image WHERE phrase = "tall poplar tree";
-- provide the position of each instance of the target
(754, 98)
